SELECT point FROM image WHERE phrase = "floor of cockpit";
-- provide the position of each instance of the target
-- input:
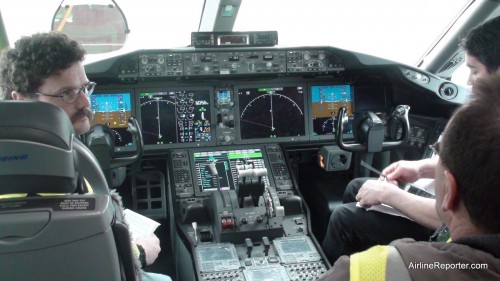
(322, 192)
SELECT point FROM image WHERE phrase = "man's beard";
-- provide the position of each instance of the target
(84, 112)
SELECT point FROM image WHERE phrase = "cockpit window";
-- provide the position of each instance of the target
(397, 30)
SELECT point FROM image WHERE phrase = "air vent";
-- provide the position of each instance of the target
(448, 91)
(455, 61)
(415, 76)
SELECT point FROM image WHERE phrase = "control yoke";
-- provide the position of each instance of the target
(369, 132)
(101, 141)
(135, 130)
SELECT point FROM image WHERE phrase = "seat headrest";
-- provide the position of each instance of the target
(35, 121)
(36, 148)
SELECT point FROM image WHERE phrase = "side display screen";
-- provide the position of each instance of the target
(113, 110)
(326, 101)
(271, 112)
(176, 116)
(226, 162)
(370, 98)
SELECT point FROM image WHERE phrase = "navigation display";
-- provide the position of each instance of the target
(226, 163)
(176, 116)
(326, 101)
(113, 110)
(271, 112)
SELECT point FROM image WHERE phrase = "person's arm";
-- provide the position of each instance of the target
(150, 248)
(428, 167)
(410, 171)
(419, 209)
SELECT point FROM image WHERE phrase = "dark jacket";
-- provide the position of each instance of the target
(472, 258)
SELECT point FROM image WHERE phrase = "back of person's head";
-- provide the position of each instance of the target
(483, 42)
(33, 59)
(471, 152)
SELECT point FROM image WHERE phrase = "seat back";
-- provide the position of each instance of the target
(54, 236)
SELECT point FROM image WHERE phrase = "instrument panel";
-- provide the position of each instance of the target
(220, 117)
(240, 113)
(240, 214)
(188, 98)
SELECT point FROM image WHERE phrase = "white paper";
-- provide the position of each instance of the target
(386, 209)
(140, 225)
(426, 184)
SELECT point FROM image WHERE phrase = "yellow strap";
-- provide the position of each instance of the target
(89, 187)
(135, 249)
(18, 195)
(13, 195)
(369, 265)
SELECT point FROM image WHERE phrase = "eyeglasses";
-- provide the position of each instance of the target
(435, 148)
(71, 95)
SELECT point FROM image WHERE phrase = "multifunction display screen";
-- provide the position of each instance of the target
(113, 110)
(326, 101)
(226, 163)
(176, 116)
(271, 112)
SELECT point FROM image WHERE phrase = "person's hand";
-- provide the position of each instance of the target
(374, 192)
(151, 246)
(402, 171)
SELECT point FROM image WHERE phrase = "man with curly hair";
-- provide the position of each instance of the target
(48, 67)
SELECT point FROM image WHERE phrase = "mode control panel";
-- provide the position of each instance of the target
(224, 63)
(158, 65)
(209, 62)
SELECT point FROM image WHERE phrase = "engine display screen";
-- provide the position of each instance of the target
(113, 110)
(176, 116)
(269, 272)
(217, 257)
(226, 163)
(271, 112)
(296, 249)
(326, 101)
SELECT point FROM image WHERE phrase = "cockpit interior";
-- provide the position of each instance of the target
(240, 147)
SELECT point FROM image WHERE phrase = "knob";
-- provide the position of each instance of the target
(228, 139)
(269, 64)
(448, 91)
(229, 123)
(259, 219)
(244, 220)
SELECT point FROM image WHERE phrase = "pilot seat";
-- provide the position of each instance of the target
(47, 231)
